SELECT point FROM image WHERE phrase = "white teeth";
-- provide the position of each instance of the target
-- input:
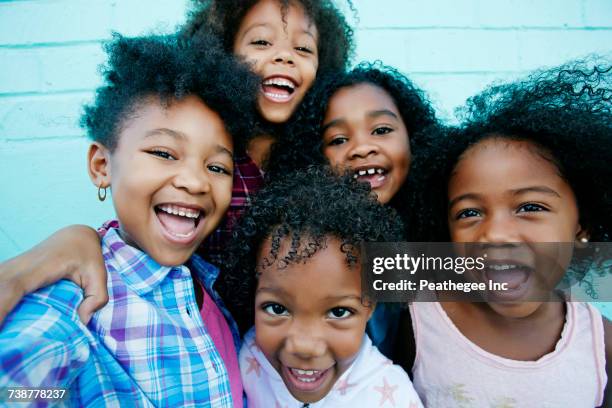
(279, 82)
(180, 211)
(370, 171)
(502, 267)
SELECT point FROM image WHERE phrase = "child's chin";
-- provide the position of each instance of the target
(173, 258)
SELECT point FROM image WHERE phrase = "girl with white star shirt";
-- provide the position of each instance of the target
(298, 263)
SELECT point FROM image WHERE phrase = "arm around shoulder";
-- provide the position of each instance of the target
(72, 253)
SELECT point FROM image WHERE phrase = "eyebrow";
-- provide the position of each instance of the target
(172, 133)
(275, 291)
(268, 25)
(536, 189)
(518, 191)
(343, 297)
(181, 136)
(468, 196)
(382, 112)
(371, 114)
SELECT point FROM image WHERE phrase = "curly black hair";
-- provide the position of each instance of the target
(170, 69)
(222, 18)
(565, 112)
(305, 207)
(302, 145)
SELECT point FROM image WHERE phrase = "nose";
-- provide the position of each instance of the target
(284, 54)
(192, 178)
(498, 229)
(305, 342)
(362, 147)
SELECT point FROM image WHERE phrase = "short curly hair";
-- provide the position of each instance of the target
(565, 112)
(223, 17)
(170, 69)
(305, 207)
(302, 144)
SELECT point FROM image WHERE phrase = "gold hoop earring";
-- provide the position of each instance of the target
(101, 195)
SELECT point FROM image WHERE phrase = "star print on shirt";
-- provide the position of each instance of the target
(343, 386)
(253, 366)
(386, 392)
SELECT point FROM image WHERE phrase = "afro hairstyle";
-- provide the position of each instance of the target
(164, 67)
(302, 144)
(305, 207)
(565, 112)
(223, 18)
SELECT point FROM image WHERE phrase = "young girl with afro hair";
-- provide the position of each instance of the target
(529, 166)
(288, 43)
(370, 121)
(295, 271)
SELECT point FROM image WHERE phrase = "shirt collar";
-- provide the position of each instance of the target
(139, 271)
(142, 273)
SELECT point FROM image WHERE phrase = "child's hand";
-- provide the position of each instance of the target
(72, 253)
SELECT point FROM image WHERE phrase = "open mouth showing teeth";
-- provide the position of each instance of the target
(179, 221)
(514, 275)
(306, 376)
(369, 172)
(278, 88)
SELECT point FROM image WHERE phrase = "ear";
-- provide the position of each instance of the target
(372, 308)
(98, 165)
(582, 237)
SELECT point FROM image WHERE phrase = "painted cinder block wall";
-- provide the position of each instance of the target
(50, 50)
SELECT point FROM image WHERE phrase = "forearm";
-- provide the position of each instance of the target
(71, 253)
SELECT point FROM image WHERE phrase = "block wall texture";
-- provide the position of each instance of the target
(50, 51)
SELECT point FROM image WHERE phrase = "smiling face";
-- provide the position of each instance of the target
(170, 177)
(283, 51)
(364, 131)
(504, 191)
(309, 318)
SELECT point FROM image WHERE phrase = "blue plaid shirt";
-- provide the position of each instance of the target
(147, 347)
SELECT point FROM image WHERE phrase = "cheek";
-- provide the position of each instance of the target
(402, 156)
(309, 74)
(269, 339)
(346, 345)
(223, 193)
(334, 156)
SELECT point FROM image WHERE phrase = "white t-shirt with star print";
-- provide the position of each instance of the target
(371, 381)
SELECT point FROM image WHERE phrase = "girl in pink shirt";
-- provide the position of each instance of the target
(527, 174)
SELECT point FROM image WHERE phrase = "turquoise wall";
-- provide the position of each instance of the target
(50, 50)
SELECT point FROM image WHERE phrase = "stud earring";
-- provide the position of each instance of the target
(584, 240)
(101, 193)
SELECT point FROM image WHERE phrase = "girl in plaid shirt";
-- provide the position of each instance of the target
(288, 44)
(163, 133)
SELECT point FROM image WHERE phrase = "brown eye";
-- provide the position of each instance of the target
(339, 313)
(275, 309)
(468, 213)
(162, 153)
(531, 207)
(382, 130)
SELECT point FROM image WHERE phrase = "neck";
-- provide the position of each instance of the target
(259, 149)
